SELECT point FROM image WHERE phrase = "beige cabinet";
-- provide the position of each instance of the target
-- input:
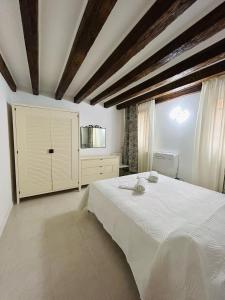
(98, 167)
(46, 145)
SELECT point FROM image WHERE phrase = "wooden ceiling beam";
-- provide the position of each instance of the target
(197, 61)
(94, 17)
(206, 27)
(6, 74)
(158, 17)
(203, 74)
(184, 91)
(29, 15)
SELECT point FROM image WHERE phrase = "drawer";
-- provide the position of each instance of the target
(98, 170)
(87, 163)
(86, 179)
(91, 171)
(107, 169)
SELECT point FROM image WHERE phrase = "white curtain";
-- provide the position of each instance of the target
(146, 120)
(209, 157)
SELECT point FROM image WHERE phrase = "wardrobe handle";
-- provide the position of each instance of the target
(50, 150)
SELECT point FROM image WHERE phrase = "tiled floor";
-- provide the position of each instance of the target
(50, 250)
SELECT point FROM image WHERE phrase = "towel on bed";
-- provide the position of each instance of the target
(139, 187)
(153, 176)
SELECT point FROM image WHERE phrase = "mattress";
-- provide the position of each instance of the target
(173, 235)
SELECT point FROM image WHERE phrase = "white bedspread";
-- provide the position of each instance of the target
(173, 236)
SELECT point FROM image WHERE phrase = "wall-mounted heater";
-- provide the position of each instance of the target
(166, 163)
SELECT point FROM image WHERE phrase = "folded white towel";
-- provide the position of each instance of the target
(139, 187)
(127, 187)
(153, 176)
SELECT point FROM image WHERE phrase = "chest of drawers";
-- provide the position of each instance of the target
(98, 167)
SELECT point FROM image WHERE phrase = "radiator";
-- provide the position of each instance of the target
(166, 163)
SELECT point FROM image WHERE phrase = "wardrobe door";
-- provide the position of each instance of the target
(65, 142)
(33, 141)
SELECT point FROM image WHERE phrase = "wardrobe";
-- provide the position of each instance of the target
(46, 144)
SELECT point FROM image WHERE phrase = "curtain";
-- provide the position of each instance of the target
(130, 149)
(209, 154)
(146, 120)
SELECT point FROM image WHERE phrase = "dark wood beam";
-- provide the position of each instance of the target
(203, 74)
(197, 61)
(94, 17)
(184, 91)
(6, 74)
(158, 17)
(29, 15)
(197, 33)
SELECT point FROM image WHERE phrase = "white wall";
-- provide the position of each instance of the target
(110, 118)
(173, 137)
(5, 168)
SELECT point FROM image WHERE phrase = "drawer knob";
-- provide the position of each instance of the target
(101, 173)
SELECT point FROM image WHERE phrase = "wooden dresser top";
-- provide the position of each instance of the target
(99, 157)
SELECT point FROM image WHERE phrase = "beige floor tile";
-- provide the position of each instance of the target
(41, 292)
(29, 275)
(18, 252)
(50, 250)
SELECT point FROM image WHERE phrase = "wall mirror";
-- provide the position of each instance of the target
(92, 137)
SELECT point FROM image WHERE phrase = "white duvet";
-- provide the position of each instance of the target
(173, 236)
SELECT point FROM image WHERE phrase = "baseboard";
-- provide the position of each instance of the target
(5, 219)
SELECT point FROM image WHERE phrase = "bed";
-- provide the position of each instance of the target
(173, 235)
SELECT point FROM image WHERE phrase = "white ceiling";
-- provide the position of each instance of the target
(58, 23)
